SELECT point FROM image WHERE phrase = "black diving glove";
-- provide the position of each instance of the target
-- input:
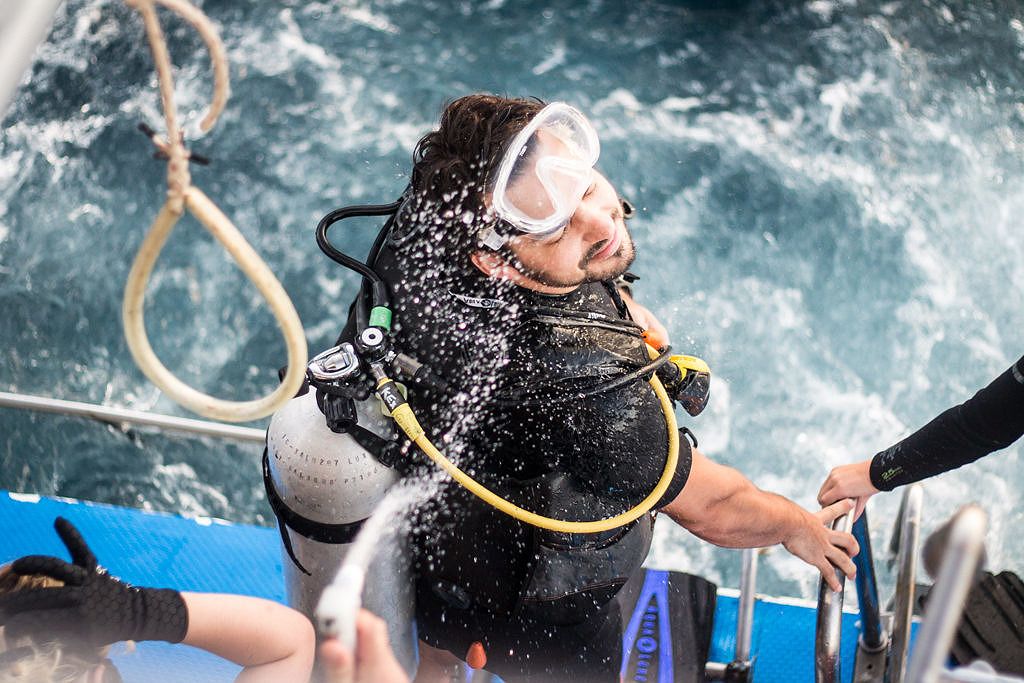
(92, 608)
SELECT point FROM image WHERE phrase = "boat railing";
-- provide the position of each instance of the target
(946, 602)
(874, 641)
(740, 669)
(907, 535)
(830, 621)
(873, 637)
(881, 652)
(124, 416)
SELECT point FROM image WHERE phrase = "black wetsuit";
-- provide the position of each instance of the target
(990, 420)
(520, 415)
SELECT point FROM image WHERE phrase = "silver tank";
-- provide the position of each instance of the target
(329, 478)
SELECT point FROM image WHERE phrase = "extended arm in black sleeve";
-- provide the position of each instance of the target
(92, 608)
(990, 420)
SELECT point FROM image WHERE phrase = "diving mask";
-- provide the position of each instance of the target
(544, 173)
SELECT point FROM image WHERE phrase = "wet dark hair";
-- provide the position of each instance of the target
(452, 166)
(472, 135)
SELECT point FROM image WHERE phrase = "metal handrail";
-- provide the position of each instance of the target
(873, 637)
(972, 674)
(830, 621)
(745, 612)
(122, 415)
(740, 668)
(948, 595)
(906, 579)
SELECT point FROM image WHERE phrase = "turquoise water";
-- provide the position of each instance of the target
(830, 197)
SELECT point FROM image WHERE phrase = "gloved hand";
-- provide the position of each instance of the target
(92, 608)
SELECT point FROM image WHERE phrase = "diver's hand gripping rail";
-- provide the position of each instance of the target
(947, 598)
(182, 196)
(830, 620)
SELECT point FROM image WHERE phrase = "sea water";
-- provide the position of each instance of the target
(830, 197)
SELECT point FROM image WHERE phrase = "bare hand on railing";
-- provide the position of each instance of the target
(817, 544)
(373, 661)
(848, 481)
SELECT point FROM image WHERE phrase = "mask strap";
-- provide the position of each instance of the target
(497, 234)
(628, 210)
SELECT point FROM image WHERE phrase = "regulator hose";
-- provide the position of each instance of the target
(403, 416)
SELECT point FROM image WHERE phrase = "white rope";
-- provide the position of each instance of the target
(181, 197)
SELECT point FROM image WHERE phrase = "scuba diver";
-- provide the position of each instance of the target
(503, 265)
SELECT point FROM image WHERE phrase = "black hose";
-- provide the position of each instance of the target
(601, 388)
(379, 287)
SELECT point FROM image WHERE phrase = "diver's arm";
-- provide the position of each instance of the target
(723, 507)
(272, 642)
(990, 420)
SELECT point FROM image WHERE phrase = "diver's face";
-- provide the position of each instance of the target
(594, 246)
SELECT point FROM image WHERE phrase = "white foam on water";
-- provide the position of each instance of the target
(714, 426)
(343, 91)
(50, 139)
(836, 96)
(296, 45)
(364, 14)
(555, 59)
(190, 495)
(10, 167)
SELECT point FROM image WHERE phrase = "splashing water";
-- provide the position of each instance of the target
(341, 600)
(829, 197)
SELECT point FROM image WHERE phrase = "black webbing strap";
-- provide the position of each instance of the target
(311, 529)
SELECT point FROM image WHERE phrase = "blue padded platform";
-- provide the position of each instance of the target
(782, 642)
(162, 550)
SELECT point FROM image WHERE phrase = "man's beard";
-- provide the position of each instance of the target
(619, 264)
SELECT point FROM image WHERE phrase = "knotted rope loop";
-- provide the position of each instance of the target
(182, 196)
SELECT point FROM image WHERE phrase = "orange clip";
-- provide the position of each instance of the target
(655, 340)
(475, 656)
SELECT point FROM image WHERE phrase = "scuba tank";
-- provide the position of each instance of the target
(324, 477)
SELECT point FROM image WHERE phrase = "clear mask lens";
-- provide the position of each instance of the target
(546, 171)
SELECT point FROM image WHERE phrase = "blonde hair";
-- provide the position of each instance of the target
(42, 663)
(46, 664)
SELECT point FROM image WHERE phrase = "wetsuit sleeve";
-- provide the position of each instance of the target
(682, 473)
(990, 420)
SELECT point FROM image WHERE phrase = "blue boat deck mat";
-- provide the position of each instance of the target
(162, 550)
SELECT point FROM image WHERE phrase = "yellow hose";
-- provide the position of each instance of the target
(408, 423)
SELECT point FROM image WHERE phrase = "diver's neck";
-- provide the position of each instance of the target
(533, 285)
